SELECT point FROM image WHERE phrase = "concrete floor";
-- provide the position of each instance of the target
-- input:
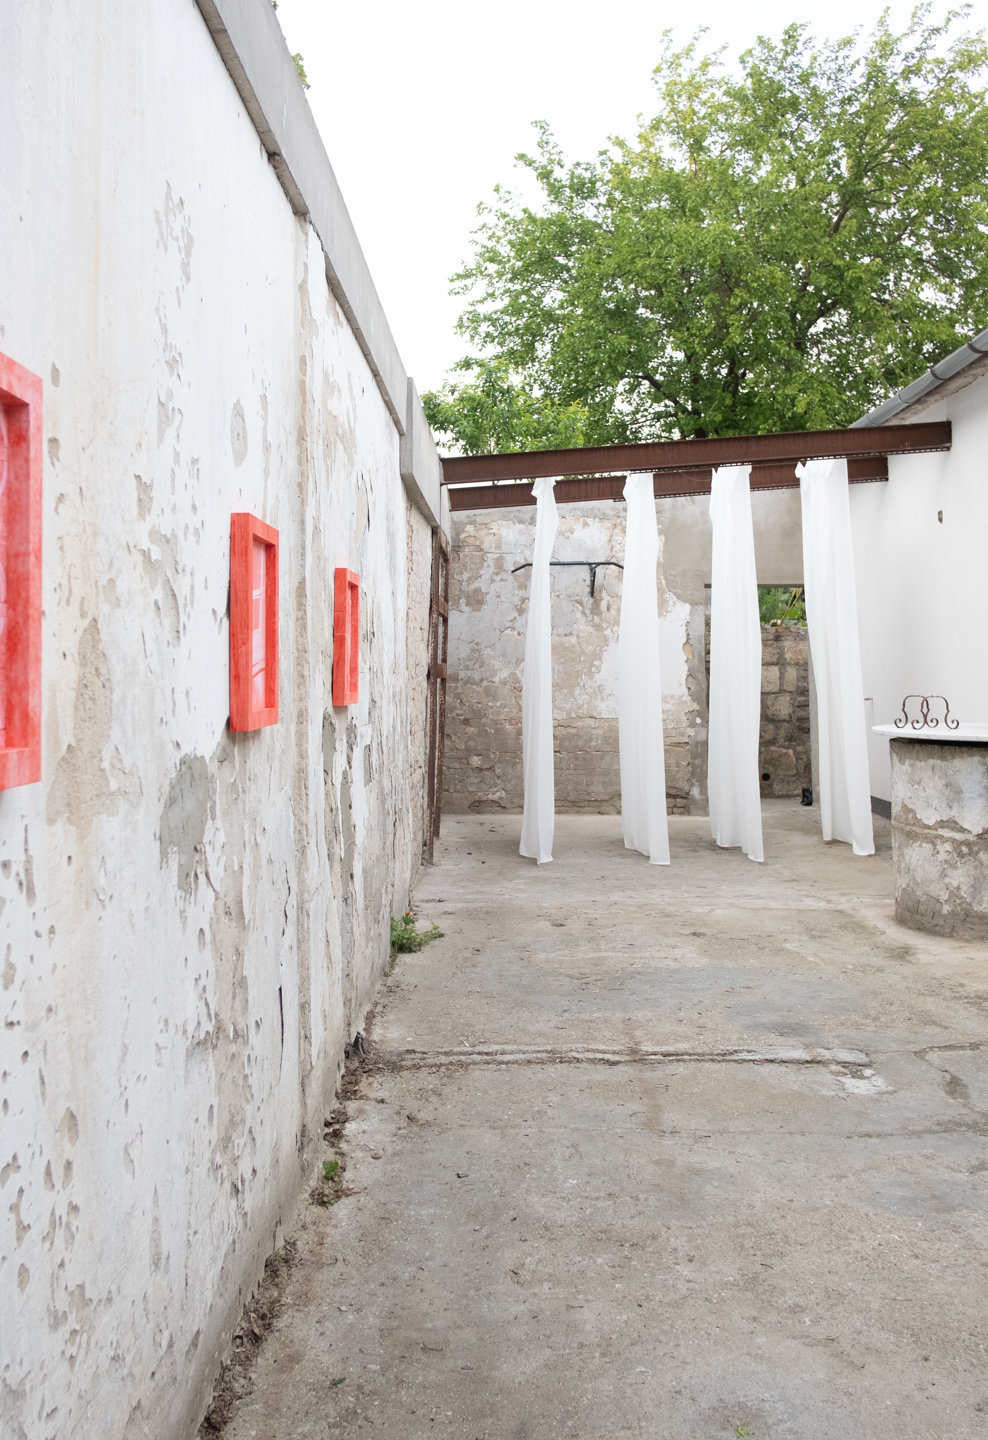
(776, 1228)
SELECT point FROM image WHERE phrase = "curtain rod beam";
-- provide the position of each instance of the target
(680, 455)
(664, 484)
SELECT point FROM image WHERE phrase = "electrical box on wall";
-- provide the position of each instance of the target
(20, 574)
(253, 623)
(346, 638)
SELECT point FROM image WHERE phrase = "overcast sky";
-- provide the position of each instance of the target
(422, 109)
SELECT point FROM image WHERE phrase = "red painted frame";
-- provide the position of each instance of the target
(253, 623)
(20, 574)
(346, 638)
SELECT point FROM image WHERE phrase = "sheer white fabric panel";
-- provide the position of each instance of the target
(832, 615)
(539, 820)
(735, 668)
(643, 771)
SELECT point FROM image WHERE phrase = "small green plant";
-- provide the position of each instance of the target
(781, 605)
(405, 938)
(743, 1433)
(339, 1381)
(329, 1168)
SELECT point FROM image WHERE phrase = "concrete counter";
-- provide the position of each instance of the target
(940, 829)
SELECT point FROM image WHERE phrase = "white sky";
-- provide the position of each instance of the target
(423, 107)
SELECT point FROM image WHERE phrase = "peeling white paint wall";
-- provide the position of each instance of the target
(193, 922)
(922, 601)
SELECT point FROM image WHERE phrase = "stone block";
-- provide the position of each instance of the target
(778, 760)
(770, 679)
(779, 706)
(793, 677)
(796, 652)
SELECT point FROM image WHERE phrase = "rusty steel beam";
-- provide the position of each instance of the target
(679, 455)
(665, 483)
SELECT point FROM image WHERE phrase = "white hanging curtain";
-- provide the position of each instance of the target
(735, 668)
(643, 770)
(539, 819)
(832, 615)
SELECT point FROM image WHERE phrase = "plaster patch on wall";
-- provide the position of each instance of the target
(166, 417)
(157, 573)
(238, 433)
(84, 788)
(145, 497)
(174, 229)
(189, 805)
(338, 433)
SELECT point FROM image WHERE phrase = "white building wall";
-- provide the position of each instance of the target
(192, 922)
(922, 601)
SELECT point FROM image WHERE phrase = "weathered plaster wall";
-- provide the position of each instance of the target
(488, 605)
(419, 549)
(922, 602)
(192, 922)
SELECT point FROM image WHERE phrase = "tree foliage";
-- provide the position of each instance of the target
(777, 250)
(492, 413)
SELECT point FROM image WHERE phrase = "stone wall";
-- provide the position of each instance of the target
(488, 605)
(784, 755)
(784, 741)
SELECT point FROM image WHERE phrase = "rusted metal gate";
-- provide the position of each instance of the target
(438, 655)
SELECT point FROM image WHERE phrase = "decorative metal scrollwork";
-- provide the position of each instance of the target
(926, 721)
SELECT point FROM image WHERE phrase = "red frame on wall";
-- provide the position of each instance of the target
(346, 638)
(20, 574)
(253, 623)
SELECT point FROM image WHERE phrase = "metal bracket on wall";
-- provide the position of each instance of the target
(592, 565)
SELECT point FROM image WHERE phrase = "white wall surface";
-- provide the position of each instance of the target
(922, 598)
(192, 922)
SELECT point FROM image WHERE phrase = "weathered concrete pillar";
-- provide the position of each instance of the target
(940, 836)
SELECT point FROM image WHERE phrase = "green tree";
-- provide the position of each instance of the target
(492, 414)
(777, 250)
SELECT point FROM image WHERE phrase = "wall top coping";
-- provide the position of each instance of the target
(973, 733)
(253, 49)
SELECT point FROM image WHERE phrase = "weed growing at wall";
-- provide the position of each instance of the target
(405, 938)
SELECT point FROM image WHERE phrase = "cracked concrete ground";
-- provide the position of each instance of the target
(774, 1225)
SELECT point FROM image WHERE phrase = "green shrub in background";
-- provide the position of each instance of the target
(781, 605)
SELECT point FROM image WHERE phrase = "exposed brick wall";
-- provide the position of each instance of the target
(784, 743)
